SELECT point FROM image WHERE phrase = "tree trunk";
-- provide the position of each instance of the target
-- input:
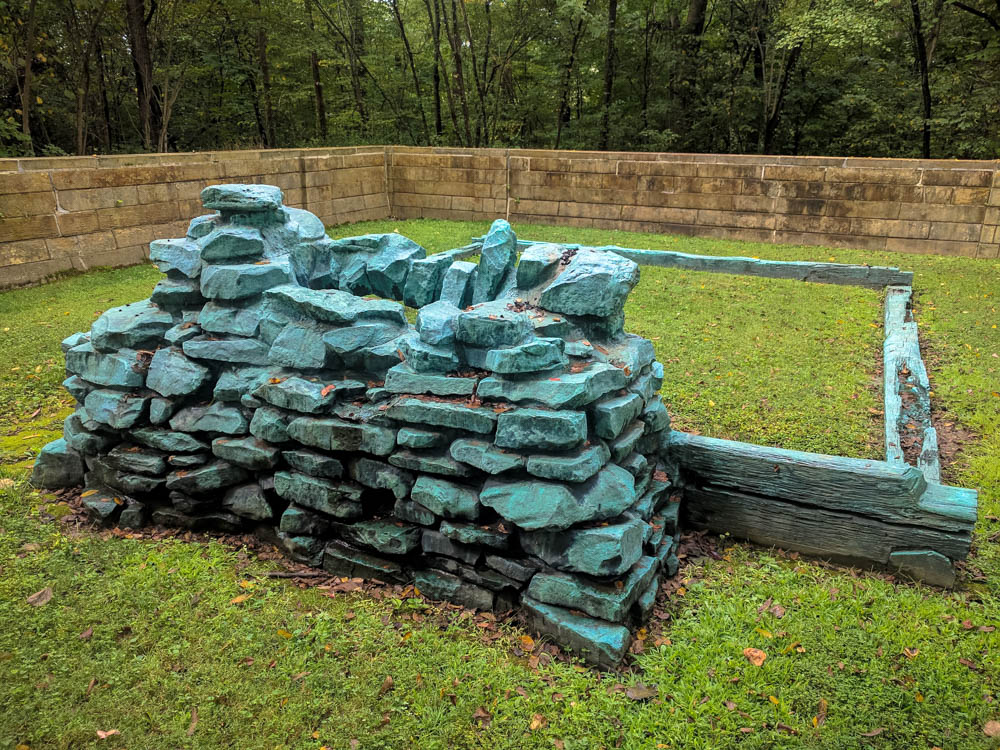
(413, 67)
(434, 19)
(103, 91)
(270, 141)
(317, 83)
(920, 44)
(29, 58)
(562, 116)
(138, 36)
(451, 30)
(609, 74)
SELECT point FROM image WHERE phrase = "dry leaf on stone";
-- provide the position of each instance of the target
(40, 598)
(755, 656)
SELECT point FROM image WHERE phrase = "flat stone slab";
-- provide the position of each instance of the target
(566, 390)
(248, 501)
(233, 350)
(138, 325)
(601, 643)
(299, 394)
(386, 536)
(137, 460)
(172, 374)
(446, 499)
(538, 428)
(122, 369)
(216, 417)
(401, 379)
(204, 479)
(612, 415)
(242, 198)
(244, 279)
(57, 466)
(248, 452)
(593, 283)
(314, 464)
(443, 414)
(169, 441)
(485, 456)
(600, 551)
(576, 466)
(334, 434)
(180, 256)
(431, 463)
(491, 325)
(119, 410)
(608, 601)
(335, 306)
(338, 499)
(537, 355)
(229, 243)
(343, 560)
(534, 504)
(441, 586)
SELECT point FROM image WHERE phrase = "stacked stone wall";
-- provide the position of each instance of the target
(506, 451)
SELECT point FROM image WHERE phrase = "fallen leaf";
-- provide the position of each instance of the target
(483, 716)
(85, 635)
(537, 722)
(640, 692)
(327, 390)
(755, 656)
(873, 733)
(820, 718)
(387, 685)
(284, 633)
(104, 734)
(992, 728)
(239, 599)
(194, 721)
(527, 642)
(40, 598)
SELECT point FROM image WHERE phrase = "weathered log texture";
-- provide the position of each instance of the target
(847, 274)
(847, 509)
(907, 388)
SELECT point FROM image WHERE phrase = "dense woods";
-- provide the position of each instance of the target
(848, 77)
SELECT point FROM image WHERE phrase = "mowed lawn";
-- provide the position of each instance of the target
(144, 637)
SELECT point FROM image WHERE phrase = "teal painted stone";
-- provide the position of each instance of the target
(235, 350)
(312, 463)
(443, 414)
(180, 256)
(538, 428)
(655, 416)
(233, 319)
(602, 643)
(547, 324)
(208, 478)
(414, 437)
(635, 464)
(383, 535)
(82, 440)
(381, 476)
(244, 280)
(436, 323)
(303, 548)
(647, 385)
(423, 357)
(160, 410)
(133, 516)
(337, 435)
(248, 452)
(564, 391)
(593, 283)
(175, 294)
(534, 356)
(423, 283)
(182, 332)
(78, 387)
(608, 601)
(441, 586)
(57, 466)
(496, 261)
(612, 415)
(456, 284)
(233, 384)
(354, 276)
(168, 441)
(430, 463)
(924, 565)
(305, 224)
(600, 551)
(377, 359)
(348, 340)
(579, 349)
(74, 340)
(187, 504)
(103, 473)
(136, 326)
(388, 268)
(299, 346)
(202, 225)
(487, 536)
(538, 263)
(270, 425)
(296, 521)
(188, 460)
(248, 501)
(491, 325)
(210, 521)
(172, 374)
(445, 498)
(402, 379)
(233, 198)
(578, 466)
(216, 417)
(407, 510)
(341, 559)
(627, 442)
(338, 499)
(119, 410)
(532, 504)
(228, 243)
(335, 306)
(632, 353)
(136, 460)
(521, 569)
(104, 505)
(485, 456)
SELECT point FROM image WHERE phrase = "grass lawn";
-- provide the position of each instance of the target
(855, 661)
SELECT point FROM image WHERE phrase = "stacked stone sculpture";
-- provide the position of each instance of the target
(505, 451)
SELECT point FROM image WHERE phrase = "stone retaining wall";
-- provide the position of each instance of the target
(78, 212)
